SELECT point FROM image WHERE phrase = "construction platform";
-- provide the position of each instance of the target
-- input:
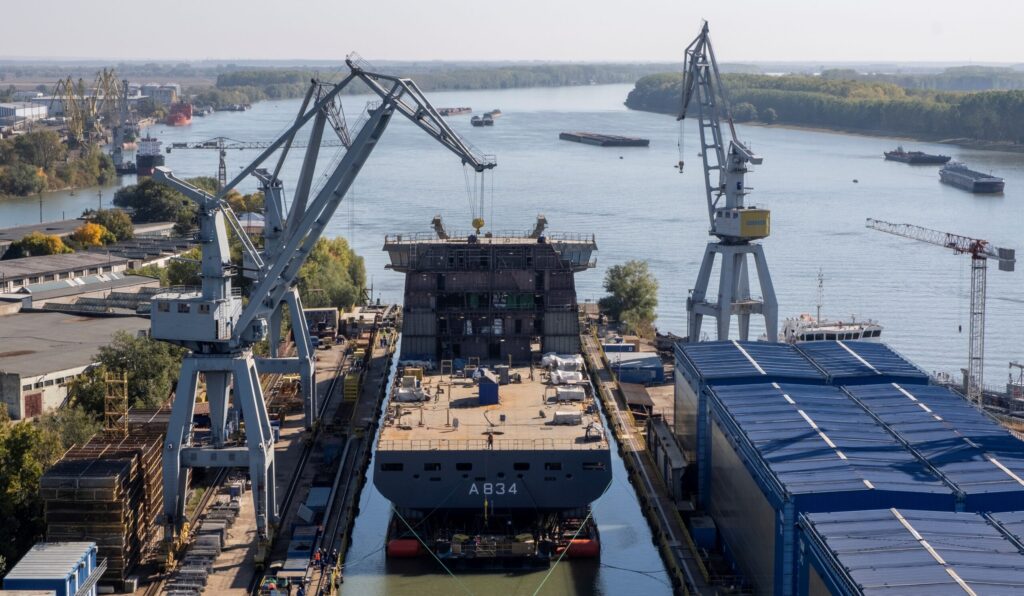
(603, 140)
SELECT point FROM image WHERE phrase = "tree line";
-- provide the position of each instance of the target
(994, 116)
(40, 160)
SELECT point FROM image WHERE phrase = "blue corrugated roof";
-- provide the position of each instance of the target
(816, 440)
(852, 362)
(964, 444)
(724, 362)
(912, 552)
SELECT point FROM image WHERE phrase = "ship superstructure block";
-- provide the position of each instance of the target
(489, 296)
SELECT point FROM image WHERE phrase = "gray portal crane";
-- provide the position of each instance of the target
(219, 329)
(981, 252)
(734, 224)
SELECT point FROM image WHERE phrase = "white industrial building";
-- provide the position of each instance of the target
(23, 111)
(43, 352)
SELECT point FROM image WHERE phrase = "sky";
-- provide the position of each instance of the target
(556, 30)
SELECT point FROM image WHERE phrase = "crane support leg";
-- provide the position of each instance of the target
(733, 292)
(180, 453)
(179, 434)
(306, 362)
(217, 385)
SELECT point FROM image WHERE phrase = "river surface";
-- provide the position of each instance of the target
(820, 186)
(638, 206)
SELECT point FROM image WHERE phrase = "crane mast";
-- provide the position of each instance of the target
(220, 329)
(981, 251)
(734, 224)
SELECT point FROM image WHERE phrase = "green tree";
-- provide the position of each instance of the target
(73, 425)
(744, 112)
(182, 272)
(42, 149)
(149, 201)
(334, 268)
(36, 244)
(152, 368)
(632, 295)
(116, 221)
(769, 116)
(21, 180)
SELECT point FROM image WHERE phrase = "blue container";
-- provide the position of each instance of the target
(979, 459)
(703, 531)
(66, 568)
(699, 365)
(874, 552)
(488, 394)
(862, 362)
(777, 451)
(619, 347)
(316, 499)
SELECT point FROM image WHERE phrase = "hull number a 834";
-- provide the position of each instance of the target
(493, 488)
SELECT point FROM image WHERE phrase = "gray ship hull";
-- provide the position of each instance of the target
(508, 479)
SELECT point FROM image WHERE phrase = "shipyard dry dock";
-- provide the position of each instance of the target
(781, 435)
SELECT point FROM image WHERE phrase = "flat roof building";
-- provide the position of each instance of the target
(42, 352)
(17, 273)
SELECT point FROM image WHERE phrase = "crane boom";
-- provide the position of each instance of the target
(959, 244)
(220, 329)
(981, 252)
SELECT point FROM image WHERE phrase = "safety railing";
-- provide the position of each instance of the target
(577, 444)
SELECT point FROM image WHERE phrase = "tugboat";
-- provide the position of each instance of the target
(960, 176)
(915, 158)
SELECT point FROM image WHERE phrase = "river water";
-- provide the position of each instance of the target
(820, 186)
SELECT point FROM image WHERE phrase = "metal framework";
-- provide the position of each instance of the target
(220, 329)
(115, 404)
(981, 251)
(734, 224)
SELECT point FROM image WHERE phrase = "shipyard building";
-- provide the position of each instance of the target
(43, 352)
(489, 297)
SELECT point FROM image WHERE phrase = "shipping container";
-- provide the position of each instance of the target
(861, 362)
(699, 365)
(906, 552)
(982, 461)
(780, 450)
(67, 568)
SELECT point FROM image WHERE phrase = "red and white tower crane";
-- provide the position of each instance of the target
(981, 251)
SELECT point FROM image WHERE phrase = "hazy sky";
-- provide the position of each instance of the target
(564, 30)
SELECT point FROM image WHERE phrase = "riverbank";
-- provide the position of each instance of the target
(876, 133)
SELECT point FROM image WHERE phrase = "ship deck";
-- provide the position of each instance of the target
(522, 420)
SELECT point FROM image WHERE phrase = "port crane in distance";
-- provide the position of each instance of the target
(735, 225)
(220, 329)
(981, 252)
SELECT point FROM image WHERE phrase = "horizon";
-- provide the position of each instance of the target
(570, 31)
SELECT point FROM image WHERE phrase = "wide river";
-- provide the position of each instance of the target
(820, 186)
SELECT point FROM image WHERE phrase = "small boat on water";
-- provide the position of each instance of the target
(494, 113)
(915, 157)
(485, 120)
(960, 176)
(454, 111)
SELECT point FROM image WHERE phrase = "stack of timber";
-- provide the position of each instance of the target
(110, 491)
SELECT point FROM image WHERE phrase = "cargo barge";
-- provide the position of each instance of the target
(454, 111)
(915, 158)
(603, 140)
(491, 453)
(960, 176)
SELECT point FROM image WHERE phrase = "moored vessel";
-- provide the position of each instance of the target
(180, 114)
(492, 448)
(960, 176)
(915, 157)
(148, 157)
(454, 111)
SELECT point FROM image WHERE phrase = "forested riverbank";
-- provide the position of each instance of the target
(993, 118)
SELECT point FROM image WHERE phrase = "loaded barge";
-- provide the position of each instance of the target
(490, 452)
(603, 140)
(915, 158)
(960, 176)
